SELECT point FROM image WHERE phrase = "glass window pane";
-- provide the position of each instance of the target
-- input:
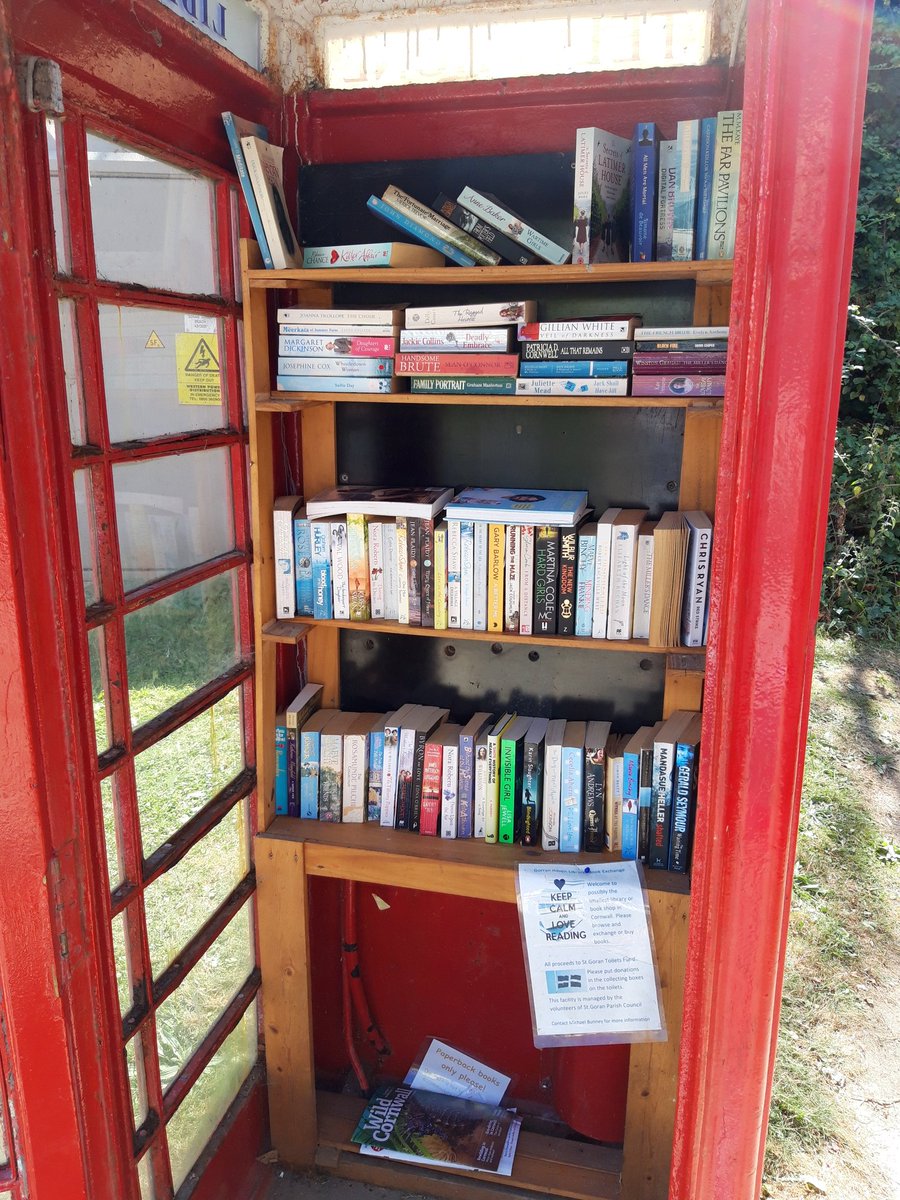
(71, 355)
(177, 776)
(176, 645)
(184, 1020)
(181, 901)
(135, 1064)
(145, 1179)
(97, 653)
(195, 1121)
(161, 371)
(4, 1152)
(111, 832)
(154, 223)
(235, 208)
(87, 534)
(57, 196)
(123, 972)
(172, 513)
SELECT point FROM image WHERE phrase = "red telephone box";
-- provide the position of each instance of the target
(140, 87)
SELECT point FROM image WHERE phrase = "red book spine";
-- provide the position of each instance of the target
(678, 385)
(670, 364)
(430, 814)
(456, 364)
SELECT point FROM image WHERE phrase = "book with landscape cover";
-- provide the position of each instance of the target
(264, 167)
(331, 766)
(310, 739)
(532, 781)
(340, 571)
(358, 568)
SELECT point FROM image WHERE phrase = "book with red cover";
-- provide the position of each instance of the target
(456, 364)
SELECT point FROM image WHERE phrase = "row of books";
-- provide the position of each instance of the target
(502, 561)
(563, 785)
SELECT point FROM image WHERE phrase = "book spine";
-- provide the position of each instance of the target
(513, 227)
(281, 771)
(480, 576)
(661, 814)
(349, 367)
(376, 568)
(683, 788)
(466, 786)
(546, 578)
(402, 570)
(455, 385)
(584, 584)
(415, 813)
(705, 175)
(568, 555)
(454, 364)
(685, 209)
(293, 785)
(654, 333)
(426, 555)
(512, 580)
(358, 568)
(389, 776)
(579, 369)
(414, 569)
(466, 574)
(621, 584)
(571, 800)
(405, 765)
(585, 152)
(595, 330)
(600, 616)
(331, 764)
(240, 165)
(456, 341)
(439, 226)
(551, 797)
(326, 319)
(266, 179)
(401, 221)
(678, 362)
(526, 581)
(643, 587)
(320, 531)
(594, 820)
(440, 576)
(555, 351)
(568, 385)
(645, 801)
(303, 569)
(389, 548)
(479, 793)
(376, 776)
(645, 159)
(326, 383)
(340, 571)
(356, 769)
(630, 803)
(466, 316)
(677, 385)
(680, 345)
(331, 329)
(484, 233)
(454, 575)
(532, 779)
(309, 775)
(492, 794)
(430, 813)
(285, 583)
(726, 178)
(496, 540)
(450, 792)
(696, 586)
(614, 806)
(668, 170)
(508, 808)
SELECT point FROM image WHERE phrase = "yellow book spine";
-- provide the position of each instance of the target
(496, 542)
(440, 577)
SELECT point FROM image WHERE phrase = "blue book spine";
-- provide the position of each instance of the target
(705, 177)
(332, 383)
(645, 167)
(630, 804)
(682, 803)
(321, 569)
(293, 789)
(584, 584)
(234, 141)
(401, 221)
(303, 567)
(571, 793)
(467, 574)
(684, 222)
(466, 787)
(281, 771)
(309, 775)
(376, 775)
(581, 368)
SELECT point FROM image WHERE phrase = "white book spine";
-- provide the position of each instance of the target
(693, 612)
(479, 591)
(376, 568)
(508, 312)
(614, 795)
(601, 577)
(406, 755)
(389, 555)
(643, 586)
(285, 577)
(563, 386)
(585, 148)
(334, 316)
(389, 775)
(449, 791)
(454, 577)
(621, 583)
(466, 574)
(513, 227)
(322, 330)
(526, 581)
(402, 572)
(456, 341)
(264, 167)
(551, 797)
(340, 571)
(512, 579)
(356, 755)
(479, 794)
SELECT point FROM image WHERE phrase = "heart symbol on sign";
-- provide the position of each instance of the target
(560, 884)
(334, 256)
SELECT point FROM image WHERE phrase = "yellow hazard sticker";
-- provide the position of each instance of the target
(154, 341)
(197, 368)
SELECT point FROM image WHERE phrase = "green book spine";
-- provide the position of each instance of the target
(510, 790)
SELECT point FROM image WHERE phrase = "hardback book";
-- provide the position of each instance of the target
(426, 363)
(581, 329)
(663, 774)
(427, 582)
(355, 797)
(726, 182)
(495, 577)
(606, 349)
(546, 579)
(665, 215)
(464, 316)
(496, 339)
(434, 223)
(484, 233)
(480, 575)
(454, 574)
(532, 781)
(371, 254)
(479, 796)
(512, 757)
(553, 740)
(414, 569)
(526, 580)
(281, 766)
(477, 725)
(568, 558)
(696, 578)
(389, 548)
(594, 816)
(309, 760)
(340, 571)
(358, 568)
(331, 766)
(492, 795)
(622, 566)
(235, 129)
(631, 791)
(512, 506)
(440, 575)
(643, 581)
(450, 786)
(571, 787)
(379, 501)
(679, 362)
(376, 767)
(682, 345)
(678, 385)
(653, 333)
(602, 203)
(375, 534)
(431, 815)
(437, 717)
(687, 143)
(326, 331)
(320, 534)
(645, 789)
(615, 778)
(463, 385)
(343, 366)
(512, 582)
(401, 527)
(705, 178)
(338, 383)
(307, 700)
(671, 538)
(406, 224)
(417, 725)
(336, 318)
(571, 385)
(303, 573)
(390, 768)
(466, 574)
(502, 218)
(264, 168)
(578, 369)
(684, 795)
(600, 617)
(644, 188)
(584, 578)
(285, 511)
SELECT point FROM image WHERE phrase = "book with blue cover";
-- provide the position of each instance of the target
(581, 369)
(235, 129)
(518, 506)
(303, 574)
(386, 212)
(687, 151)
(571, 791)
(705, 177)
(644, 185)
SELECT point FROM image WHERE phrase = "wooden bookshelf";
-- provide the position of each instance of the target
(285, 402)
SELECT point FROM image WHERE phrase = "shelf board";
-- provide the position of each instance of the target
(547, 1166)
(633, 645)
(468, 867)
(708, 272)
(296, 401)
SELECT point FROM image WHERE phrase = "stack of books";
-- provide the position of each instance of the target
(680, 360)
(580, 356)
(463, 349)
(337, 349)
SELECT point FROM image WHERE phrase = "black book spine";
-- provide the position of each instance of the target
(568, 548)
(426, 555)
(414, 569)
(661, 806)
(555, 351)
(546, 578)
(594, 826)
(645, 785)
(404, 800)
(482, 232)
(711, 346)
(532, 784)
(415, 806)
(683, 803)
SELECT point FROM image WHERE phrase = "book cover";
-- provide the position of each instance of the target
(462, 385)
(376, 767)
(705, 176)
(580, 329)
(469, 736)
(526, 580)
(492, 795)
(665, 215)
(687, 143)
(643, 581)
(644, 188)
(546, 578)
(340, 571)
(631, 770)
(679, 362)
(464, 316)
(454, 574)
(432, 766)
(281, 766)
(334, 319)
(661, 799)
(584, 578)
(496, 572)
(568, 557)
(425, 363)
(622, 568)
(370, 254)
(594, 819)
(466, 574)
(308, 761)
(513, 506)
(359, 595)
(498, 215)
(570, 385)
(696, 578)
(670, 547)
(600, 616)
(512, 584)
(532, 781)
(406, 761)
(684, 796)
(571, 788)
(496, 339)
(285, 510)
(450, 784)
(331, 766)
(340, 366)
(606, 350)
(339, 331)
(379, 501)
(678, 385)
(480, 575)
(264, 168)
(479, 793)
(337, 383)
(320, 533)
(602, 199)
(726, 182)
(512, 755)
(615, 778)
(355, 789)
(303, 569)
(486, 234)
(438, 225)
(414, 569)
(578, 369)
(390, 765)
(235, 129)
(553, 740)
(427, 584)
(375, 533)
(682, 345)
(440, 576)
(405, 223)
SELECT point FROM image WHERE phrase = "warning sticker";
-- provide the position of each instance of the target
(197, 368)
(154, 341)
